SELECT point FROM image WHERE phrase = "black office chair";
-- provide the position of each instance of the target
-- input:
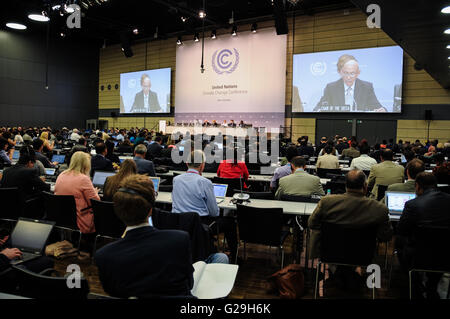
(62, 210)
(262, 226)
(432, 244)
(12, 204)
(300, 198)
(107, 224)
(344, 245)
(322, 172)
(44, 286)
(256, 195)
(233, 183)
(381, 191)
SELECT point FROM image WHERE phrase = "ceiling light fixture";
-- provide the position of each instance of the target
(183, 19)
(446, 10)
(213, 34)
(234, 31)
(179, 42)
(254, 26)
(16, 26)
(202, 14)
(196, 37)
(136, 31)
(38, 17)
(447, 31)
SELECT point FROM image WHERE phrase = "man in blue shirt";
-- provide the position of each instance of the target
(285, 170)
(195, 193)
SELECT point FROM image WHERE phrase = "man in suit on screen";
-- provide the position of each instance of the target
(349, 94)
(145, 101)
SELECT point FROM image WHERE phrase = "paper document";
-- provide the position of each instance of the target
(212, 281)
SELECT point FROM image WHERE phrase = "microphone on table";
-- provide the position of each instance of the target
(241, 196)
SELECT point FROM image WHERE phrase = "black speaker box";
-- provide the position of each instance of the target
(428, 115)
(280, 17)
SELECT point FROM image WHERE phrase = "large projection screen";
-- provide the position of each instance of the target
(244, 79)
(145, 91)
(361, 80)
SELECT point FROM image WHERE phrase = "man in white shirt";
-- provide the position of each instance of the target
(75, 136)
(364, 161)
(328, 160)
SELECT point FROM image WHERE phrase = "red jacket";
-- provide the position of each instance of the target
(228, 170)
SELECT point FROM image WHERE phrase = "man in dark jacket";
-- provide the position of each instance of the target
(99, 162)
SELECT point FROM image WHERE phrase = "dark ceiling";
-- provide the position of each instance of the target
(416, 25)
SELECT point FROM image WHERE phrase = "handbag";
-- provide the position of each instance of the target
(289, 281)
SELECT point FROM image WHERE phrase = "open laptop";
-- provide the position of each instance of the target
(395, 201)
(30, 236)
(100, 177)
(122, 158)
(155, 181)
(58, 158)
(220, 191)
(16, 155)
(50, 171)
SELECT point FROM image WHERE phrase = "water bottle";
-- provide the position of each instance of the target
(328, 191)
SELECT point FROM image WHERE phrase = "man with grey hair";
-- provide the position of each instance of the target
(349, 91)
(194, 193)
(350, 209)
(144, 166)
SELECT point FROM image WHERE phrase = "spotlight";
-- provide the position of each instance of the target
(136, 31)
(62, 34)
(38, 17)
(213, 34)
(196, 37)
(448, 46)
(446, 10)
(68, 9)
(16, 26)
(183, 19)
(254, 26)
(202, 14)
(234, 31)
(447, 31)
(179, 42)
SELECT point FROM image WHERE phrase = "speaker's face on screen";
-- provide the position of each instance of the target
(349, 72)
(146, 85)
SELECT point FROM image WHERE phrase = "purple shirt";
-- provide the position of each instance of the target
(279, 173)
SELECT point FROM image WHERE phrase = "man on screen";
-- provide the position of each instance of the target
(349, 91)
(145, 101)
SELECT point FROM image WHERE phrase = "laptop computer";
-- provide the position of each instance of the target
(122, 158)
(395, 201)
(220, 191)
(16, 155)
(58, 158)
(30, 236)
(155, 181)
(50, 171)
(100, 177)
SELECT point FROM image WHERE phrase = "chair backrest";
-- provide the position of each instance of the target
(105, 220)
(335, 187)
(260, 225)
(347, 244)
(300, 198)
(61, 209)
(12, 203)
(322, 172)
(233, 183)
(256, 195)
(37, 286)
(381, 191)
(432, 246)
(367, 172)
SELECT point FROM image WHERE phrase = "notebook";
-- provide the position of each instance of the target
(30, 236)
(220, 191)
(395, 201)
(100, 177)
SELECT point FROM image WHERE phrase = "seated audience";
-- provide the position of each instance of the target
(385, 173)
(328, 160)
(304, 148)
(25, 176)
(4, 156)
(430, 208)
(127, 168)
(125, 147)
(99, 162)
(233, 168)
(351, 152)
(110, 154)
(48, 146)
(441, 170)
(285, 170)
(75, 181)
(154, 149)
(75, 136)
(144, 166)
(299, 182)
(413, 168)
(195, 193)
(364, 162)
(38, 146)
(352, 209)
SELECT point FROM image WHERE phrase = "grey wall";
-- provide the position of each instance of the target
(72, 96)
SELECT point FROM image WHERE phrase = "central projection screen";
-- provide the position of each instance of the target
(360, 80)
(244, 79)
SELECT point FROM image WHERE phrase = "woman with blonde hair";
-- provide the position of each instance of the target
(127, 168)
(48, 146)
(75, 181)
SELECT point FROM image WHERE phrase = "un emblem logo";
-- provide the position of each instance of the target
(225, 61)
(318, 68)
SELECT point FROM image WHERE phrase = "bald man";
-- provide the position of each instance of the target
(349, 94)
(352, 208)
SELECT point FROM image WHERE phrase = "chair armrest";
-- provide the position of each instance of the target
(49, 271)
